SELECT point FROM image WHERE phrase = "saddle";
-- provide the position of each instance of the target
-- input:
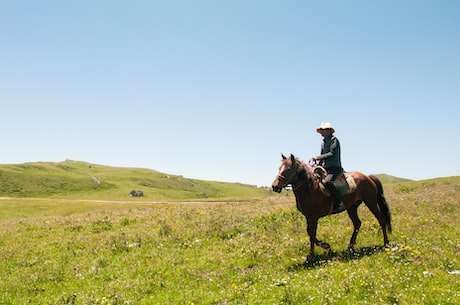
(344, 183)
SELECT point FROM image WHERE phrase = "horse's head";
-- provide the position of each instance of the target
(286, 174)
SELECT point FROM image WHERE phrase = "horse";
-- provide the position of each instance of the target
(314, 204)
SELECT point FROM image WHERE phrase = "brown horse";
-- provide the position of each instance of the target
(313, 204)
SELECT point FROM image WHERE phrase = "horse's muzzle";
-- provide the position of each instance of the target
(277, 188)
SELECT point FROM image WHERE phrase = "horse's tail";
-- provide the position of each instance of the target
(382, 202)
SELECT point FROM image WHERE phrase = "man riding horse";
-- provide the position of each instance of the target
(330, 161)
(312, 201)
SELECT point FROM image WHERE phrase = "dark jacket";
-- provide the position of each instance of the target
(330, 153)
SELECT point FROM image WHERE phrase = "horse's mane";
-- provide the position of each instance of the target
(301, 166)
(304, 172)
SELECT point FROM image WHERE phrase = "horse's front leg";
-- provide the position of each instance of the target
(312, 225)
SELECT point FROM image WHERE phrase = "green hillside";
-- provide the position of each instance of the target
(77, 179)
(391, 179)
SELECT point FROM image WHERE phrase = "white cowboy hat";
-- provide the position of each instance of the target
(325, 125)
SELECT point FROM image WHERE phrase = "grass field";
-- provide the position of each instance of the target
(79, 251)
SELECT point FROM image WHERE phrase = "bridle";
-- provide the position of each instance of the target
(290, 180)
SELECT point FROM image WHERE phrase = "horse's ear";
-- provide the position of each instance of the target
(292, 158)
(283, 156)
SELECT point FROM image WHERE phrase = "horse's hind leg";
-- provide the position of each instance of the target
(353, 214)
(373, 207)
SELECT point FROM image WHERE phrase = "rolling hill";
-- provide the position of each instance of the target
(391, 179)
(77, 179)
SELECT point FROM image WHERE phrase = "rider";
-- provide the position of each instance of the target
(330, 160)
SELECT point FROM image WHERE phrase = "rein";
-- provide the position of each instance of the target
(316, 171)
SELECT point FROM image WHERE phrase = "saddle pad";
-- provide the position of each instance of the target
(345, 185)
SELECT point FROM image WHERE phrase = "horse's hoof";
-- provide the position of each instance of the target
(351, 248)
(308, 259)
(324, 245)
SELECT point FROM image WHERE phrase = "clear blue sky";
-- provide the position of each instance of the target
(216, 90)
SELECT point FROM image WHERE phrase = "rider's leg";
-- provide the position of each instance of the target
(338, 204)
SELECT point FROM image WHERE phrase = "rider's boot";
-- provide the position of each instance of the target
(339, 206)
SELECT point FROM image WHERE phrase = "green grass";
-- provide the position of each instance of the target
(73, 251)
